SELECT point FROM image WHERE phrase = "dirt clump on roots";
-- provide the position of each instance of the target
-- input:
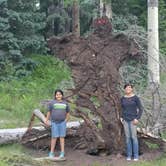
(95, 62)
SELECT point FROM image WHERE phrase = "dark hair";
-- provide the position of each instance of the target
(128, 84)
(58, 90)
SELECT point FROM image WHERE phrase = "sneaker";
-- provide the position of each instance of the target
(51, 154)
(128, 158)
(135, 159)
(62, 155)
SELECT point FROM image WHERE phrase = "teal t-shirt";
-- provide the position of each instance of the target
(58, 110)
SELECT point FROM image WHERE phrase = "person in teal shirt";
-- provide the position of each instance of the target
(58, 113)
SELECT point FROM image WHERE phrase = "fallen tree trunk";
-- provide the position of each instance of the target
(151, 138)
(8, 136)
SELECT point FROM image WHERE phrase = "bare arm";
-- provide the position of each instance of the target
(47, 117)
(67, 116)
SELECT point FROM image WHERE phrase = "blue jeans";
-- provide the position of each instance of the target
(131, 138)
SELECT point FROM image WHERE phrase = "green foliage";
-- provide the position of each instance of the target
(162, 25)
(88, 11)
(124, 8)
(58, 20)
(119, 7)
(9, 49)
(158, 162)
(20, 97)
(123, 22)
(136, 73)
(135, 70)
(26, 25)
(21, 28)
(16, 155)
(164, 135)
(131, 7)
(152, 146)
(139, 9)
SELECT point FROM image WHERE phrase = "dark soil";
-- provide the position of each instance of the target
(80, 158)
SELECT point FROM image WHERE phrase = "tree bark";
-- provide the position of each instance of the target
(105, 9)
(101, 8)
(153, 42)
(109, 10)
(8, 136)
(153, 59)
(76, 19)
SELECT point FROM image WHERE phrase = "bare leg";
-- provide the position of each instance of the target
(62, 143)
(53, 143)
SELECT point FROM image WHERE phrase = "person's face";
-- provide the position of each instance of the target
(128, 90)
(58, 96)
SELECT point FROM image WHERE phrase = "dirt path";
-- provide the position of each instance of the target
(80, 158)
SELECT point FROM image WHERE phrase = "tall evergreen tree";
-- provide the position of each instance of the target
(27, 24)
(9, 49)
(21, 28)
(58, 20)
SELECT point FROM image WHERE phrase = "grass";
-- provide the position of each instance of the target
(16, 155)
(163, 77)
(19, 98)
(158, 162)
(164, 135)
(152, 146)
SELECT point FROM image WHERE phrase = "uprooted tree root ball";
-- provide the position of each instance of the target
(95, 63)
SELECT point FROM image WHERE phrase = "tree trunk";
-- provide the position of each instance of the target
(76, 19)
(153, 60)
(51, 9)
(153, 42)
(8, 136)
(105, 9)
(109, 10)
(101, 8)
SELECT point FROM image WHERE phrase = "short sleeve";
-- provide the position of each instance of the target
(67, 107)
(50, 107)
